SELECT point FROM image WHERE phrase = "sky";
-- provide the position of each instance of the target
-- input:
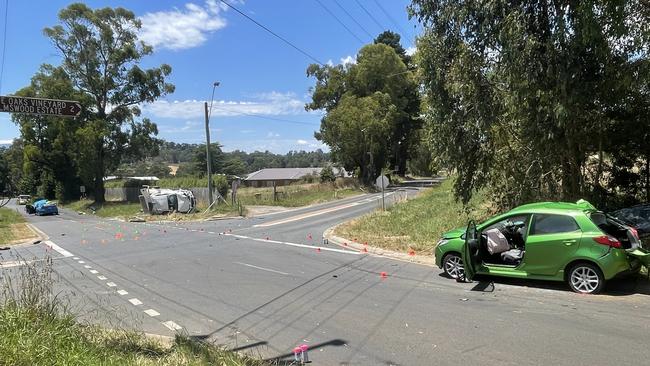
(259, 104)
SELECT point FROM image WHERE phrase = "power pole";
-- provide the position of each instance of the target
(207, 153)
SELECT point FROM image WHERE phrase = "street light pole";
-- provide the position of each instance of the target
(207, 143)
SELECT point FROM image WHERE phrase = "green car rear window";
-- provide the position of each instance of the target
(552, 224)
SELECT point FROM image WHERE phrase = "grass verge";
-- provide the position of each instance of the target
(126, 210)
(13, 227)
(36, 329)
(418, 223)
(298, 195)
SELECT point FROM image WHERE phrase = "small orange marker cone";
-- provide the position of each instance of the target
(345, 244)
(411, 252)
(318, 250)
(309, 237)
(365, 250)
(267, 238)
(365, 243)
(383, 275)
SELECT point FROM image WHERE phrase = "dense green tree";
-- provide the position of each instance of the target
(379, 69)
(357, 131)
(101, 55)
(532, 98)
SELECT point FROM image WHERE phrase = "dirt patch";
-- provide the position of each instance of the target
(264, 210)
(19, 233)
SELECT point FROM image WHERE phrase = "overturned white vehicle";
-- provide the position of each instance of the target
(156, 201)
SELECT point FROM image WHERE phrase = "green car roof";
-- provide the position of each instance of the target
(548, 207)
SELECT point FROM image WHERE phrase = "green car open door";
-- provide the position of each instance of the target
(470, 251)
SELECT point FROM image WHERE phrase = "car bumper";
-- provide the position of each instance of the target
(617, 263)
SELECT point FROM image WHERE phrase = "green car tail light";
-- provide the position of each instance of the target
(608, 240)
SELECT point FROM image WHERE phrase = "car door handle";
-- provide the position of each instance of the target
(569, 242)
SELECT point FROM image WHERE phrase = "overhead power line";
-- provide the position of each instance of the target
(353, 19)
(339, 20)
(371, 16)
(4, 45)
(273, 33)
(265, 117)
(392, 20)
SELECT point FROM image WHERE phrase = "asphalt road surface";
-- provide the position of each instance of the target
(262, 286)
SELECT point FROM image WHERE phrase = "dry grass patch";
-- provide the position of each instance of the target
(13, 228)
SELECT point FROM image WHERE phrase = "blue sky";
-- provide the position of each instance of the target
(203, 43)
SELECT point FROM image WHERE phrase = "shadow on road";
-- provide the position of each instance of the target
(616, 287)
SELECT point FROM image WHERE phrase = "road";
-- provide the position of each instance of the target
(261, 285)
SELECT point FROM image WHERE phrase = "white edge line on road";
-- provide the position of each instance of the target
(61, 251)
(262, 268)
(171, 325)
(151, 312)
(294, 244)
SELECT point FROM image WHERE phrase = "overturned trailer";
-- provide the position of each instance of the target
(157, 201)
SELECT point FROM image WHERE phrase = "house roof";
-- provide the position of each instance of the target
(282, 173)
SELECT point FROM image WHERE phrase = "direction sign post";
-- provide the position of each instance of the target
(40, 106)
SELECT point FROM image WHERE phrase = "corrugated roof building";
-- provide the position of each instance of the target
(285, 176)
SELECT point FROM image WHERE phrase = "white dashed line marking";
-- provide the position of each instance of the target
(261, 268)
(171, 325)
(93, 271)
(76, 258)
(87, 266)
(211, 232)
(102, 278)
(135, 301)
(122, 292)
(81, 262)
(151, 312)
(111, 284)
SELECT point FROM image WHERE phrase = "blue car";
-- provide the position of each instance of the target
(45, 207)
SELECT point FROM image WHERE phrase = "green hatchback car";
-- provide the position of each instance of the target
(555, 241)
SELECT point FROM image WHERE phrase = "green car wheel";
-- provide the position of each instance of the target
(586, 278)
(452, 264)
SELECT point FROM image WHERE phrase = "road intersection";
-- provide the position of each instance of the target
(266, 284)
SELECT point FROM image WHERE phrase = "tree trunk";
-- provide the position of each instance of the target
(99, 189)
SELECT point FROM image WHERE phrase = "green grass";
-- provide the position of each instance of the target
(12, 226)
(297, 195)
(418, 223)
(107, 209)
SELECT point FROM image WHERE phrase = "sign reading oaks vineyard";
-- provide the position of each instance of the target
(40, 106)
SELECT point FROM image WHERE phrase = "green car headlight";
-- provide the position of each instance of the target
(442, 242)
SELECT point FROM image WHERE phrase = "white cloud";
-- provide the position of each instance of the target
(272, 134)
(270, 104)
(411, 50)
(349, 60)
(6, 142)
(246, 131)
(301, 142)
(179, 29)
(278, 146)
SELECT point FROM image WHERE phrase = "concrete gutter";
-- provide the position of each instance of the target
(376, 251)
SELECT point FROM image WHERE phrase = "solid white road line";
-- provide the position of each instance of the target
(135, 301)
(295, 244)
(93, 271)
(61, 251)
(151, 312)
(171, 325)
(122, 292)
(101, 278)
(262, 268)
(111, 284)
